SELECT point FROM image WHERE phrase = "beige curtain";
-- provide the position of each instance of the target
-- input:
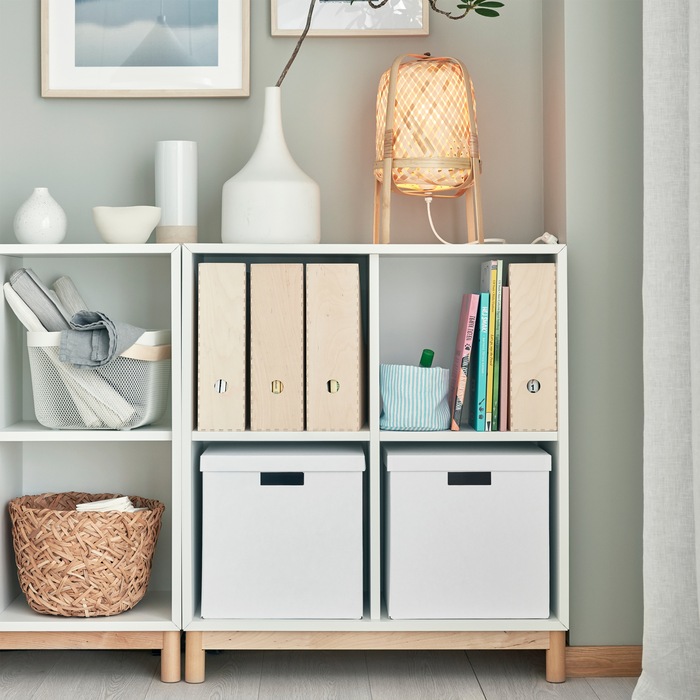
(671, 295)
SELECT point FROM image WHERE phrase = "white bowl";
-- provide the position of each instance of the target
(125, 224)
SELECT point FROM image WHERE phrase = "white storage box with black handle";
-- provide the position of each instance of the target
(467, 531)
(282, 531)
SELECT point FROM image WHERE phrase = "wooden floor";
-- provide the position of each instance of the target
(297, 675)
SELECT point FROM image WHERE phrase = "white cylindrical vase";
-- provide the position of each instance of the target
(271, 199)
(40, 219)
(176, 191)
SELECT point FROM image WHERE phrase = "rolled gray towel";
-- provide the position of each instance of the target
(95, 340)
(41, 300)
(68, 295)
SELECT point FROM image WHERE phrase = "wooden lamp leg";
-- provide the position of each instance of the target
(555, 664)
(377, 210)
(385, 203)
(475, 217)
(472, 236)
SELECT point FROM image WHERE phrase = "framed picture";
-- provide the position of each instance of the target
(350, 18)
(145, 48)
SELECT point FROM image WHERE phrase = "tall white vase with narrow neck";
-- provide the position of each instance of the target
(271, 199)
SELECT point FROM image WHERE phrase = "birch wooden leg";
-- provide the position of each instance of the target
(194, 658)
(170, 658)
(555, 671)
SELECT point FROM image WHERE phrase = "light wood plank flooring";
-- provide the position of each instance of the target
(297, 675)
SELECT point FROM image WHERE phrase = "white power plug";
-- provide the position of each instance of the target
(546, 238)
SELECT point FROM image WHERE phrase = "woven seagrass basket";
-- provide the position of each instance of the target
(79, 564)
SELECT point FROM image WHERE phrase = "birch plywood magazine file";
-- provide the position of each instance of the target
(533, 356)
(334, 367)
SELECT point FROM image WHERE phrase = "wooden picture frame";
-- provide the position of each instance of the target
(145, 48)
(345, 18)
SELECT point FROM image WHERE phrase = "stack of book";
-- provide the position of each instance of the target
(483, 369)
(479, 371)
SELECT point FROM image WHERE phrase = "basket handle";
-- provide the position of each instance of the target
(149, 353)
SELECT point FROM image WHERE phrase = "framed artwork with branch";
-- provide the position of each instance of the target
(351, 17)
(145, 48)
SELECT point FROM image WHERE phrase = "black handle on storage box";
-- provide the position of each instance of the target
(469, 478)
(281, 478)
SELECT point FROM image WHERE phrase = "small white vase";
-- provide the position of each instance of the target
(40, 219)
(271, 199)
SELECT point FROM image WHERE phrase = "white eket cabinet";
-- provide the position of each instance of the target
(410, 297)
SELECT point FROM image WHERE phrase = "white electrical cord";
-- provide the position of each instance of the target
(428, 202)
(544, 238)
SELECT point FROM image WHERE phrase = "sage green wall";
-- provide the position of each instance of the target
(90, 152)
(604, 232)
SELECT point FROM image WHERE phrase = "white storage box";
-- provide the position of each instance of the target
(130, 391)
(282, 531)
(467, 531)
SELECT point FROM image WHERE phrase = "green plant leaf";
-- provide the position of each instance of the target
(486, 13)
(488, 3)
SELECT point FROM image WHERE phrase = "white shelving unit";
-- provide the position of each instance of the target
(141, 285)
(411, 296)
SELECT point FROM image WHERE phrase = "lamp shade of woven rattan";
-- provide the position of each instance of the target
(427, 141)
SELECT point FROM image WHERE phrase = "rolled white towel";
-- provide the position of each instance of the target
(122, 504)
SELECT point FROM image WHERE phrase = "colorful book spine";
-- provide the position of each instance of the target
(478, 418)
(463, 351)
(489, 274)
(497, 347)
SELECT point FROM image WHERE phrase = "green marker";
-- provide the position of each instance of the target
(426, 359)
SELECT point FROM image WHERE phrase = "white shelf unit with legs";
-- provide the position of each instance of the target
(411, 297)
(137, 284)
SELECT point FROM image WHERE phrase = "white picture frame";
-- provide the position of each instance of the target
(205, 53)
(343, 18)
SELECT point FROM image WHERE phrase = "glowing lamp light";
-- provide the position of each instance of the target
(427, 140)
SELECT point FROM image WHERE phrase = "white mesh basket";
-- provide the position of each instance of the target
(130, 391)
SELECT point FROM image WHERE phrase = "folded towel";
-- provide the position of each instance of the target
(95, 340)
(123, 504)
(42, 301)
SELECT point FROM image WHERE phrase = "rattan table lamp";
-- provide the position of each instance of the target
(427, 142)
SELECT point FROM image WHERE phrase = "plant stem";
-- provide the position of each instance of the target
(447, 13)
(299, 43)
